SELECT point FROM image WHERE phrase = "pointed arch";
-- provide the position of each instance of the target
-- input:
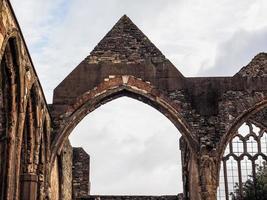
(42, 160)
(245, 148)
(239, 120)
(29, 149)
(114, 88)
(34, 148)
(10, 101)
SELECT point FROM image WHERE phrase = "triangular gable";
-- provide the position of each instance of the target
(125, 43)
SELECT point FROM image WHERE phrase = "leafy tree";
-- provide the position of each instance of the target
(253, 189)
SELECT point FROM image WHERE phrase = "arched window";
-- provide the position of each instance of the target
(243, 157)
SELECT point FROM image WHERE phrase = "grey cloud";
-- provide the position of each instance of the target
(237, 52)
(140, 148)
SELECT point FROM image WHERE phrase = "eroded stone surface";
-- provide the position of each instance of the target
(81, 173)
(125, 43)
(256, 68)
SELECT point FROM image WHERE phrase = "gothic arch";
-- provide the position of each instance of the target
(113, 88)
(11, 85)
(12, 34)
(42, 159)
(35, 146)
(28, 147)
(239, 120)
(43, 150)
(230, 146)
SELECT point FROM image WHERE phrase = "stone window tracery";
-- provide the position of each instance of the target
(244, 154)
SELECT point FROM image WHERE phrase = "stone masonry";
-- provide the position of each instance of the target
(34, 152)
(80, 173)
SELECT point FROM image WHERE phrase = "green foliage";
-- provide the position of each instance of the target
(253, 189)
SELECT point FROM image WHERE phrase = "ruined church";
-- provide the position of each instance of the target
(37, 161)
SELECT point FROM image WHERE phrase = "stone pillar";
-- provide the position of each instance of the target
(194, 183)
(185, 154)
(190, 170)
(28, 186)
(209, 175)
(66, 171)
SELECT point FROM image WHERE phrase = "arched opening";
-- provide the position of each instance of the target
(30, 149)
(9, 100)
(41, 170)
(134, 150)
(72, 114)
(244, 161)
(68, 114)
(43, 158)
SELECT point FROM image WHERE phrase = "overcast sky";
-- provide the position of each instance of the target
(134, 149)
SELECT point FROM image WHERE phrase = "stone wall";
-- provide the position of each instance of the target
(80, 173)
(70, 174)
(21, 100)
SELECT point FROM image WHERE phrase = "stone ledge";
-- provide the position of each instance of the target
(132, 197)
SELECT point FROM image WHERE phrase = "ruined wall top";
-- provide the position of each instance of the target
(256, 68)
